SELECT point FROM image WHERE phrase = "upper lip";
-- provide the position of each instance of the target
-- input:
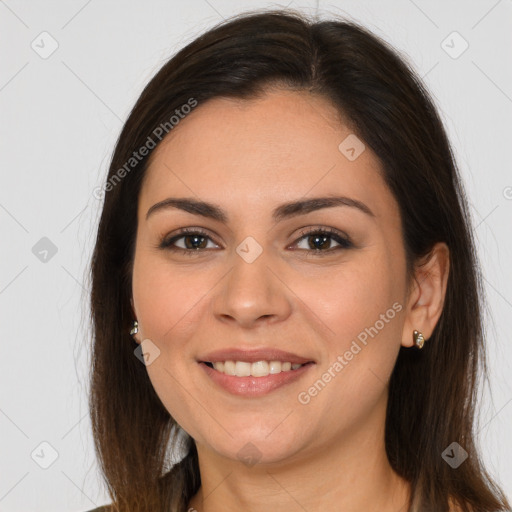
(253, 355)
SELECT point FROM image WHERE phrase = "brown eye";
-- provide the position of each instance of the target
(319, 241)
(193, 240)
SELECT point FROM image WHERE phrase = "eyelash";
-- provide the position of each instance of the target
(344, 241)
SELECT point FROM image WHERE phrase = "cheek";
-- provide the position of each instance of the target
(356, 298)
(168, 301)
(170, 305)
(362, 308)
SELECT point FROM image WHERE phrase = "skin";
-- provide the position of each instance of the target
(250, 157)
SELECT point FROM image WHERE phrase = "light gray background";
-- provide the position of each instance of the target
(60, 117)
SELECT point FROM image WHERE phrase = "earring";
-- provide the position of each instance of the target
(419, 340)
(135, 328)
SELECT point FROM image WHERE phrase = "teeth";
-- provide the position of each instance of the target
(229, 367)
(258, 369)
(242, 369)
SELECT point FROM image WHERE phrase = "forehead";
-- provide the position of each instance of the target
(253, 154)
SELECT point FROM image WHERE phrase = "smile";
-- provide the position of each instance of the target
(268, 375)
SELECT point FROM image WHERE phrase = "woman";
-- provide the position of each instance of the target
(285, 278)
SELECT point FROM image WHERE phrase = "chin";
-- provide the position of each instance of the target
(257, 446)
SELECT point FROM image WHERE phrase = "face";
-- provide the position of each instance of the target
(326, 284)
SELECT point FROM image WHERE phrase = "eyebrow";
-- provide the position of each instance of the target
(284, 211)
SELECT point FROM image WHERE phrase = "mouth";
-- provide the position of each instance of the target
(253, 373)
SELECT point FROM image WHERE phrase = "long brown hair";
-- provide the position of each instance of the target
(432, 393)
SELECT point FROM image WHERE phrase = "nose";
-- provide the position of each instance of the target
(252, 294)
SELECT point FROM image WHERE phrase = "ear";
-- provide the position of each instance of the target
(134, 336)
(426, 294)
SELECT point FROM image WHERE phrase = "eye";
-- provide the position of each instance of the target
(320, 238)
(195, 241)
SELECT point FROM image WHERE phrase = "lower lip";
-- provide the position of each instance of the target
(254, 386)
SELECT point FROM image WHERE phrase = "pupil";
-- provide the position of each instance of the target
(192, 245)
(317, 238)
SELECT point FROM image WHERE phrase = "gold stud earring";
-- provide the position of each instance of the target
(135, 328)
(419, 340)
